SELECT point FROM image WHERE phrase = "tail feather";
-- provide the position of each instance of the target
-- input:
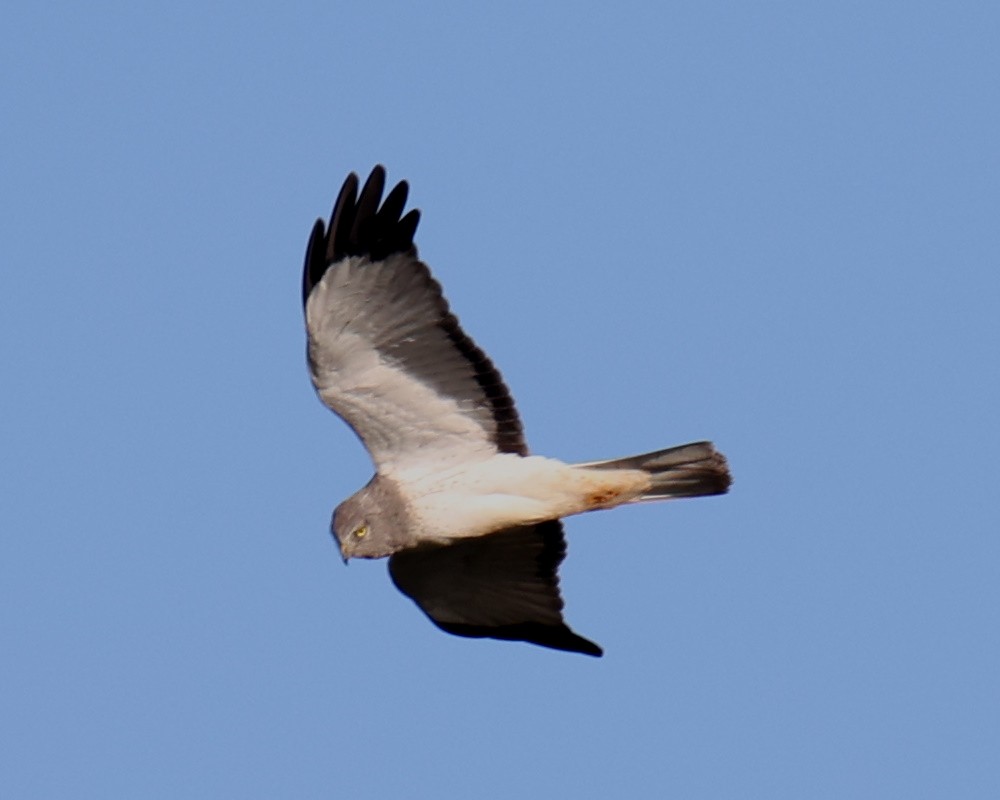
(690, 470)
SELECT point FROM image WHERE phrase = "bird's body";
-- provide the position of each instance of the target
(468, 518)
(507, 490)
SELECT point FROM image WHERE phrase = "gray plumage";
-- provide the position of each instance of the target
(468, 518)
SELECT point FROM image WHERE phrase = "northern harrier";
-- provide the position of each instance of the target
(469, 520)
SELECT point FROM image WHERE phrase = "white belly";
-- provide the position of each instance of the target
(509, 490)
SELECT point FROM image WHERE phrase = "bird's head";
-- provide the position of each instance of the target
(361, 528)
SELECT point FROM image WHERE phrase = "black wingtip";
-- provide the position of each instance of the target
(359, 227)
(557, 637)
(315, 259)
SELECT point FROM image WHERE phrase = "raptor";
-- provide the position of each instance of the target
(468, 518)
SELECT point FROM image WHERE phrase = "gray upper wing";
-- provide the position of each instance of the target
(501, 586)
(385, 351)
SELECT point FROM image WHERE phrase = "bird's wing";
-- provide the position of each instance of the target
(386, 353)
(502, 586)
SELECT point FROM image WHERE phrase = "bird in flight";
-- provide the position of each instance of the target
(469, 519)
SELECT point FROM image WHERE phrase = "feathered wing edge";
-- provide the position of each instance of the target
(360, 226)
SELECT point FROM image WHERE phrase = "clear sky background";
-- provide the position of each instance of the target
(774, 225)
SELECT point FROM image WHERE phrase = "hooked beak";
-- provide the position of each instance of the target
(344, 555)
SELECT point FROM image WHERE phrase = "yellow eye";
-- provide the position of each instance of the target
(360, 532)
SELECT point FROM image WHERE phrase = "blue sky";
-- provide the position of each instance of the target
(773, 225)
